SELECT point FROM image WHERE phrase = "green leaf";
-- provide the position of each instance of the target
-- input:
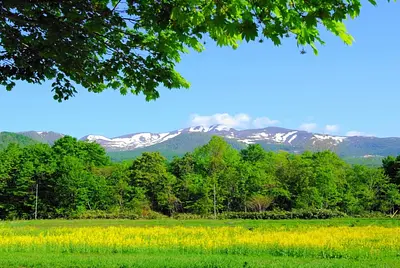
(60, 76)
(195, 44)
(277, 12)
(10, 86)
(249, 31)
(315, 50)
(276, 40)
(339, 29)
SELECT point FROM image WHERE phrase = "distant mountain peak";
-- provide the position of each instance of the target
(48, 137)
(272, 135)
(212, 128)
(271, 138)
(131, 141)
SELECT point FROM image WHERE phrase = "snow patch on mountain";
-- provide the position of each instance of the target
(292, 139)
(133, 141)
(43, 133)
(335, 139)
(199, 129)
(220, 128)
(260, 136)
(96, 138)
(213, 128)
(230, 135)
(282, 137)
(279, 137)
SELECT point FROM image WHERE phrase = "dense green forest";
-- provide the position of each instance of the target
(74, 178)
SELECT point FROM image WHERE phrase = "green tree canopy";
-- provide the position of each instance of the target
(391, 166)
(90, 152)
(74, 179)
(150, 175)
(135, 45)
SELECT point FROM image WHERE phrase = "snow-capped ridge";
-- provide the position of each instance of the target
(212, 128)
(199, 129)
(96, 138)
(221, 128)
(280, 137)
(270, 135)
(336, 139)
(132, 141)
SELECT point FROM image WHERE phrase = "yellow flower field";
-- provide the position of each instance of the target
(229, 246)
(371, 238)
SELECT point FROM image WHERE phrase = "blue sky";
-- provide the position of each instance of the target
(343, 89)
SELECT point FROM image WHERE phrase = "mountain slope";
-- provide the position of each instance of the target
(360, 146)
(7, 138)
(369, 161)
(271, 138)
(270, 135)
(43, 136)
(184, 140)
(177, 146)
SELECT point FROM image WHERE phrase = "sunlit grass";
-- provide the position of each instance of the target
(349, 240)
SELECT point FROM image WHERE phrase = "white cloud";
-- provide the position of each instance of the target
(262, 122)
(239, 121)
(332, 128)
(308, 127)
(355, 133)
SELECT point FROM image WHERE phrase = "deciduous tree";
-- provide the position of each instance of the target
(133, 46)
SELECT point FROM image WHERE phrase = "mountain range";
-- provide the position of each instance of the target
(271, 138)
(178, 142)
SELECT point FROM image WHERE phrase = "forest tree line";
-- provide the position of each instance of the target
(74, 177)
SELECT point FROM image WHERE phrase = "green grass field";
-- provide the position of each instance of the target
(201, 243)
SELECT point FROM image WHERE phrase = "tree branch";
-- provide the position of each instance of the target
(116, 6)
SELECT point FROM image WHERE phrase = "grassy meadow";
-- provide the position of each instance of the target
(200, 243)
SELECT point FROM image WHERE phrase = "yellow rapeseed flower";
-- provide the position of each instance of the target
(343, 239)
